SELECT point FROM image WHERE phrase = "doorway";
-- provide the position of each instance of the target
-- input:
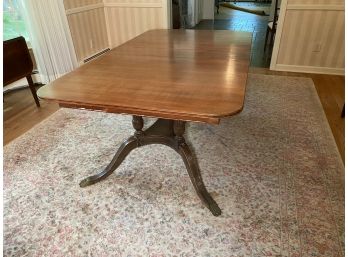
(236, 15)
(251, 16)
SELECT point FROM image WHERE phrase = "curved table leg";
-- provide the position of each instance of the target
(196, 179)
(166, 132)
(126, 147)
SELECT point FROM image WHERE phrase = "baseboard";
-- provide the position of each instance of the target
(309, 69)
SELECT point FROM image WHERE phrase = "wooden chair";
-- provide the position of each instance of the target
(272, 26)
(18, 64)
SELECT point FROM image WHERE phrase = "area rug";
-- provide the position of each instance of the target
(248, 10)
(274, 170)
(231, 14)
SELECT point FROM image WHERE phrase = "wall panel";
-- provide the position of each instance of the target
(97, 24)
(88, 31)
(316, 2)
(298, 41)
(125, 23)
(134, 2)
(70, 4)
(312, 37)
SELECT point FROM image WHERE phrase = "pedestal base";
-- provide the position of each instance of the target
(166, 132)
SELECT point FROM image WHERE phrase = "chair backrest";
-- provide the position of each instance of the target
(17, 61)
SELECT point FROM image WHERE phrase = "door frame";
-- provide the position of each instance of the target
(278, 36)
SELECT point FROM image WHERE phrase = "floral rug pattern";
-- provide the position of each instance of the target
(274, 170)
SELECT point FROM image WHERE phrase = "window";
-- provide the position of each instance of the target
(13, 22)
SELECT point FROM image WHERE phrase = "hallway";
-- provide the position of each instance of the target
(229, 19)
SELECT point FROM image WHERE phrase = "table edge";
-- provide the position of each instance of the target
(147, 113)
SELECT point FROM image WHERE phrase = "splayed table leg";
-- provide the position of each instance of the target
(165, 132)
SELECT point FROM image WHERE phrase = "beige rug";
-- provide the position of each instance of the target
(231, 14)
(274, 170)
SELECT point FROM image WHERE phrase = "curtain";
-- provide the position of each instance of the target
(49, 37)
(190, 11)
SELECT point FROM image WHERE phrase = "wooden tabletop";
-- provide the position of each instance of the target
(194, 75)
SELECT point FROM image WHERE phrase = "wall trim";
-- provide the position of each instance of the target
(134, 5)
(120, 5)
(278, 36)
(84, 8)
(309, 69)
(167, 13)
(331, 7)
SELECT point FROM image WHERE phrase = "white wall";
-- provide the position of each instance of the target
(208, 9)
(199, 10)
(195, 12)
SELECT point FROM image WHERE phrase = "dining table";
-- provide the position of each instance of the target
(176, 76)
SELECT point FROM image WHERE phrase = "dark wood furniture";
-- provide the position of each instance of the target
(174, 75)
(18, 64)
(272, 26)
(176, 22)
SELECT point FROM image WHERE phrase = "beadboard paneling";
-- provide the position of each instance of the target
(88, 31)
(132, 18)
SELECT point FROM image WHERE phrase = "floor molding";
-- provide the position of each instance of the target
(309, 69)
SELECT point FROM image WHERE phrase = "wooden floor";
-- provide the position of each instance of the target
(234, 20)
(21, 113)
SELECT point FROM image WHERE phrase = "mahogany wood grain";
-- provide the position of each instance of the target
(193, 75)
(18, 64)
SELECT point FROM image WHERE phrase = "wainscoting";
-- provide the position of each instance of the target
(88, 31)
(126, 20)
(96, 24)
(311, 37)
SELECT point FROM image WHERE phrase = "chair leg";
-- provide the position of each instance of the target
(266, 39)
(33, 90)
